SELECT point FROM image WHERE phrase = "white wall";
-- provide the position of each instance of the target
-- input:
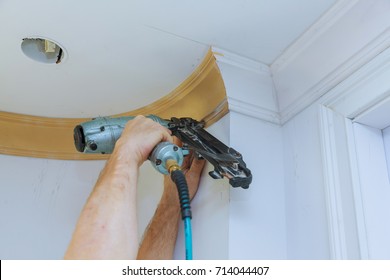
(375, 188)
(307, 229)
(257, 222)
(40, 201)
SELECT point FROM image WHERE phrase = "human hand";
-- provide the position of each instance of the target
(139, 137)
(192, 168)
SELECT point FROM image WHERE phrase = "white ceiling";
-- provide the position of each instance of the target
(121, 55)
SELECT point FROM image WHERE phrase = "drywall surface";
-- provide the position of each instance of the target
(375, 189)
(257, 221)
(307, 230)
(40, 201)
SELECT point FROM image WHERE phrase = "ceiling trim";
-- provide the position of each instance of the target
(249, 86)
(363, 91)
(322, 25)
(201, 96)
(347, 37)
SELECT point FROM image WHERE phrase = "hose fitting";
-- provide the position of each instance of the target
(179, 179)
(172, 165)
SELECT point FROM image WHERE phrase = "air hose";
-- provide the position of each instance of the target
(179, 179)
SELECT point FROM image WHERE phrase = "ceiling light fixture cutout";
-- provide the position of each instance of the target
(43, 50)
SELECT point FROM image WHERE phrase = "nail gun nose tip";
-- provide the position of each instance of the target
(79, 140)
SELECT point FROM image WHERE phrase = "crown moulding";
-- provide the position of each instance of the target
(202, 96)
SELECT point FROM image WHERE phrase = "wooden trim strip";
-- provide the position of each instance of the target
(201, 96)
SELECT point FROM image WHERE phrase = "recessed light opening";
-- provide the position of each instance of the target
(42, 50)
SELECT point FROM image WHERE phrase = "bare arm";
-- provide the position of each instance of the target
(107, 227)
(160, 237)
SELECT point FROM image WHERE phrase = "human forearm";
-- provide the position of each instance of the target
(108, 218)
(160, 237)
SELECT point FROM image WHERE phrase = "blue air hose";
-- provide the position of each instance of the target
(184, 197)
(188, 237)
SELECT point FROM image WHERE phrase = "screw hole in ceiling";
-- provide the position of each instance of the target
(43, 50)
